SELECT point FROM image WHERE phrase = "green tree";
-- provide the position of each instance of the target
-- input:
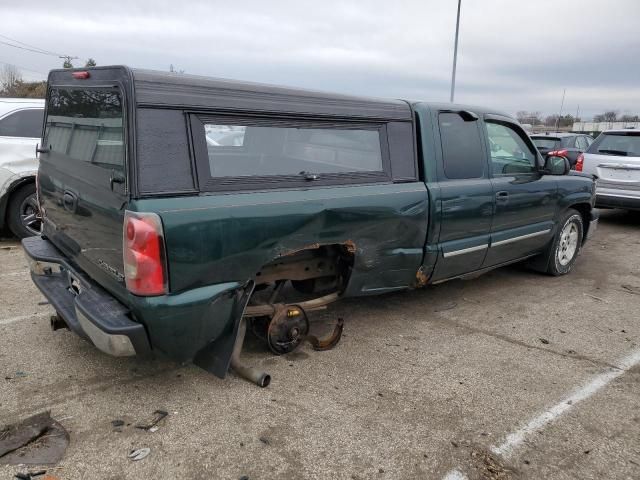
(90, 63)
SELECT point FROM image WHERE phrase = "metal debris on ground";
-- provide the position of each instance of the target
(37, 440)
(157, 416)
(117, 425)
(29, 475)
(139, 454)
(544, 341)
(595, 298)
(631, 289)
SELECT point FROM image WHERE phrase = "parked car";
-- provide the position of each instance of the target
(571, 144)
(155, 240)
(614, 158)
(20, 131)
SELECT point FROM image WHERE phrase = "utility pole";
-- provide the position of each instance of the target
(455, 55)
(561, 107)
(67, 59)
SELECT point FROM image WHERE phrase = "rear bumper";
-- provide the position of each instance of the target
(85, 307)
(617, 201)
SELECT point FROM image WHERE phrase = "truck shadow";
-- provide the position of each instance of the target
(622, 218)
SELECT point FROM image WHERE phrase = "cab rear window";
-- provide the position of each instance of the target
(86, 125)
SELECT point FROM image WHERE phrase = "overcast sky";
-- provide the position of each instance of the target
(513, 55)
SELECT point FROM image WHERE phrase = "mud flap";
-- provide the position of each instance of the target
(216, 357)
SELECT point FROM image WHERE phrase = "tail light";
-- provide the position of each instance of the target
(558, 153)
(579, 163)
(145, 263)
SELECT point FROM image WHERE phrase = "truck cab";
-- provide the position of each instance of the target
(180, 210)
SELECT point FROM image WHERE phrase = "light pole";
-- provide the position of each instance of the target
(455, 55)
(561, 107)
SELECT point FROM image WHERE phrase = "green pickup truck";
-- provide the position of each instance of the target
(179, 211)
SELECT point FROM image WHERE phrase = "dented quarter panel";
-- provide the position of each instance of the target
(227, 238)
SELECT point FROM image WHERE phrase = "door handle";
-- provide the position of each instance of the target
(115, 177)
(502, 196)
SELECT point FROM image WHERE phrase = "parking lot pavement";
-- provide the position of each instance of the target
(424, 384)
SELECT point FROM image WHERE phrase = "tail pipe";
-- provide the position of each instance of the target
(57, 323)
(261, 379)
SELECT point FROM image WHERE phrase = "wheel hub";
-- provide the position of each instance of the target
(289, 326)
(568, 243)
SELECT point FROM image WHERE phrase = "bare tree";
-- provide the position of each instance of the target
(528, 117)
(9, 77)
(630, 118)
(609, 116)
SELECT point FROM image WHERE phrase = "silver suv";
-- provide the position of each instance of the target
(615, 158)
(20, 131)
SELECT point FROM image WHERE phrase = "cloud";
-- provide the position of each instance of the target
(513, 55)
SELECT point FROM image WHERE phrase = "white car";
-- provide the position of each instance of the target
(615, 158)
(20, 131)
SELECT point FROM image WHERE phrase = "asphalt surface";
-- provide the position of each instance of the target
(423, 385)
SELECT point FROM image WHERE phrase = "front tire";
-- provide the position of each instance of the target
(566, 244)
(23, 214)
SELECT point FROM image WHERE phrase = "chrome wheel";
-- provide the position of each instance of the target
(568, 245)
(30, 215)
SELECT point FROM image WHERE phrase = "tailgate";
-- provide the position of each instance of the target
(615, 158)
(82, 177)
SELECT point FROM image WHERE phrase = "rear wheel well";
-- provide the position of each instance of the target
(6, 200)
(312, 272)
(585, 212)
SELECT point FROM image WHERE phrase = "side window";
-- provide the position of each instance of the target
(462, 151)
(291, 150)
(589, 140)
(510, 154)
(86, 125)
(23, 123)
(581, 143)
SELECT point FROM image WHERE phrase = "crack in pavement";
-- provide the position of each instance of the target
(521, 343)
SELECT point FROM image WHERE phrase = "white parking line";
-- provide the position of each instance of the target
(7, 321)
(455, 475)
(516, 438)
(513, 440)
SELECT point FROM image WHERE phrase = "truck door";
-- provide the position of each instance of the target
(526, 201)
(466, 195)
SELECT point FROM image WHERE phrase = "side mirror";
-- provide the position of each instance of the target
(556, 165)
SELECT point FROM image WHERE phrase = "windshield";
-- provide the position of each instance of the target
(625, 144)
(546, 142)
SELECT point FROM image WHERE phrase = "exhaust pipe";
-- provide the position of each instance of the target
(261, 379)
(57, 323)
